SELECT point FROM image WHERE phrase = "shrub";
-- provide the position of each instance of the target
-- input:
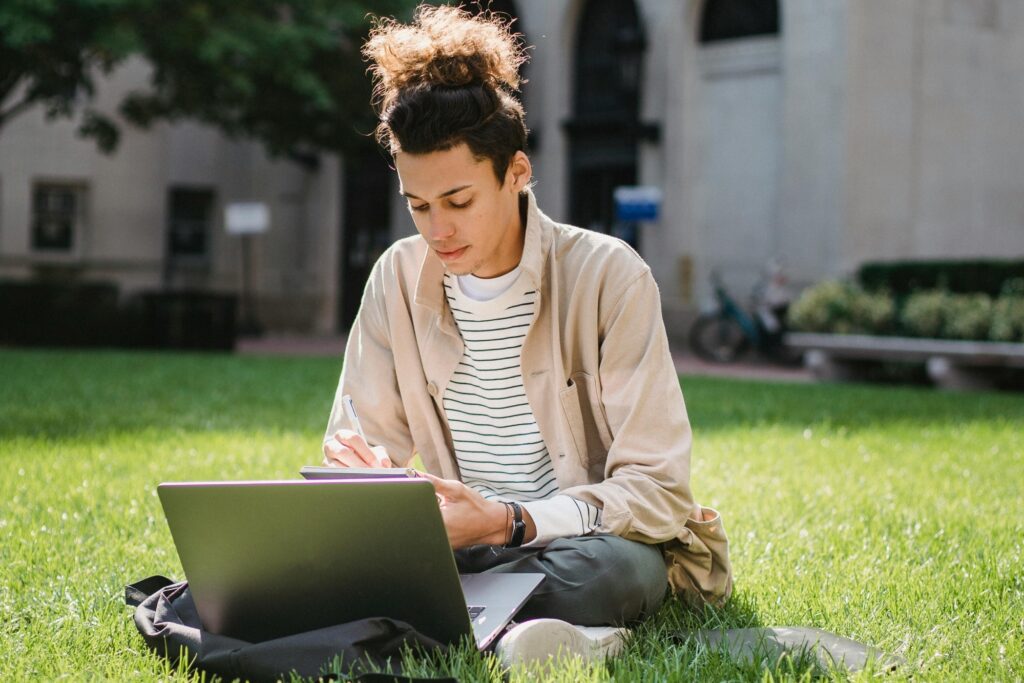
(924, 313)
(1008, 319)
(941, 315)
(842, 308)
(1013, 287)
(967, 316)
(873, 312)
(820, 307)
(904, 278)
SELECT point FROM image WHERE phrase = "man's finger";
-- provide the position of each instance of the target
(445, 487)
(381, 455)
(356, 444)
(437, 482)
(371, 456)
(331, 448)
(346, 458)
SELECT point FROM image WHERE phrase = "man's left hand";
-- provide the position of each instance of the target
(469, 518)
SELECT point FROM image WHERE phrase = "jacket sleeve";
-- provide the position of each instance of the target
(368, 375)
(645, 494)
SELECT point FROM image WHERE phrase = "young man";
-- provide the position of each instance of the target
(525, 361)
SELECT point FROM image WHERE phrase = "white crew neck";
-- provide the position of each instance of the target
(487, 288)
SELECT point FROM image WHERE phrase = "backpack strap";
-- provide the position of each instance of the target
(135, 593)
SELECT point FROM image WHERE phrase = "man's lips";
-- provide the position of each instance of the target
(451, 255)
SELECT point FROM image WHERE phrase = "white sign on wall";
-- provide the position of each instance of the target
(246, 218)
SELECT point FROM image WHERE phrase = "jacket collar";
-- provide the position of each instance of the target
(537, 243)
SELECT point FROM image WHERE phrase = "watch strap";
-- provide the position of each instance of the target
(518, 526)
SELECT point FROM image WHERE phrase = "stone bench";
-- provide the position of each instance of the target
(950, 364)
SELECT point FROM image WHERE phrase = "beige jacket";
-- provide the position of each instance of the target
(597, 372)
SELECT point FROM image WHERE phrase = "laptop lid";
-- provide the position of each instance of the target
(266, 559)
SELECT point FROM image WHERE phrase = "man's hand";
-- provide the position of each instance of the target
(347, 449)
(471, 519)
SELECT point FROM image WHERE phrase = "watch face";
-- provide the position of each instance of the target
(518, 526)
(518, 532)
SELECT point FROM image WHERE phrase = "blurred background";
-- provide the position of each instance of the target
(177, 174)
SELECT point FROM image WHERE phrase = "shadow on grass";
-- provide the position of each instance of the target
(97, 394)
(670, 647)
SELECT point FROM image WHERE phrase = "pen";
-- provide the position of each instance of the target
(353, 419)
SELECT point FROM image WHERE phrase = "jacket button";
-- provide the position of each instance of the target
(432, 389)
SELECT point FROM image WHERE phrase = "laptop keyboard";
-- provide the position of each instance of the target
(475, 611)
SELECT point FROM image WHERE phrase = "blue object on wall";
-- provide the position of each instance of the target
(637, 203)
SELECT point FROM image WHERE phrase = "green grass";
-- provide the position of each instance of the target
(892, 516)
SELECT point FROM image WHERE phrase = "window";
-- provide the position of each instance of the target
(730, 19)
(57, 211)
(610, 46)
(188, 226)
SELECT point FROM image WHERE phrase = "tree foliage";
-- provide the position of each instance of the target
(285, 71)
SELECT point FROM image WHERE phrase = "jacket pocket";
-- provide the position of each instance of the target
(585, 417)
(699, 569)
(573, 417)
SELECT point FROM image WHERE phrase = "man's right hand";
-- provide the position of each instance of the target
(347, 449)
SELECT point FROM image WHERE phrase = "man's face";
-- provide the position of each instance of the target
(467, 217)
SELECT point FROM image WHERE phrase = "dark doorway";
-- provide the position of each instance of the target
(366, 225)
(605, 129)
(592, 205)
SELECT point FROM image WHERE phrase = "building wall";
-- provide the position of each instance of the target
(123, 238)
(125, 190)
(741, 98)
(935, 136)
(814, 149)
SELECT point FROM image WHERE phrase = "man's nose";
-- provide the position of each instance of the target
(439, 226)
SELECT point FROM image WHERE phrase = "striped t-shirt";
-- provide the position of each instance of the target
(497, 443)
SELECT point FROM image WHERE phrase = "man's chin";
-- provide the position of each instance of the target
(458, 269)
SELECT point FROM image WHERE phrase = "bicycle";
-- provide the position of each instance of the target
(724, 334)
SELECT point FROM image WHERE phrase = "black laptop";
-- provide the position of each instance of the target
(266, 559)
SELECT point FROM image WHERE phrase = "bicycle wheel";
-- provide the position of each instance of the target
(717, 339)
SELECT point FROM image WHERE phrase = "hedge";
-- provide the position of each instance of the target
(901, 278)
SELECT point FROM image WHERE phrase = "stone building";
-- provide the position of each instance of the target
(817, 133)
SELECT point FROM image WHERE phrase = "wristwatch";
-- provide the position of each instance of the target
(518, 526)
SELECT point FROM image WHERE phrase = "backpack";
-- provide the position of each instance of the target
(166, 616)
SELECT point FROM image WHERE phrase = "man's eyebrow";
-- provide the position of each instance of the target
(450, 192)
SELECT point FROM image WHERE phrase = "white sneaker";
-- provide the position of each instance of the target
(538, 640)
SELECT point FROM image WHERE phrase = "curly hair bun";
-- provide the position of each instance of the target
(443, 46)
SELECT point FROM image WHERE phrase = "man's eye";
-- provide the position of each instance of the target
(420, 207)
(463, 205)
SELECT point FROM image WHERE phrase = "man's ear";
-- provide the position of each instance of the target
(520, 171)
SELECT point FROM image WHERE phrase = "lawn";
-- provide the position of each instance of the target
(888, 515)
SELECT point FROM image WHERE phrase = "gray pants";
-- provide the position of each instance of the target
(589, 580)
